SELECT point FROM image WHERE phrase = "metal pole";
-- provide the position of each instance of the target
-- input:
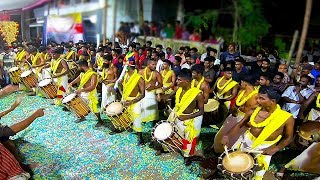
(115, 10)
(104, 23)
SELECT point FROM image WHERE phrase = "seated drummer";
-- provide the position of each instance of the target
(87, 89)
(132, 89)
(270, 129)
(246, 102)
(187, 113)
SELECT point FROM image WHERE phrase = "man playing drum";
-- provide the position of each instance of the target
(21, 55)
(226, 90)
(108, 78)
(132, 89)
(270, 130)
(87, 89)
(153, 81)
(187, 113)
(246, 102)
(60, 70)
(199, 82)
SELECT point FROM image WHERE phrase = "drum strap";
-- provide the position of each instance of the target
(130, 84)
(193, 82)
(183, 103)
(166, 75)
(21, 55)
(69, 55)
(35, 58)
(54, 65)
(85, 77)
(281, 117)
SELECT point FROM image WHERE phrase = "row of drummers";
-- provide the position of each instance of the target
(173, 135)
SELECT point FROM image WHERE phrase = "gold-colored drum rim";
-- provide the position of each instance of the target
(240, 162)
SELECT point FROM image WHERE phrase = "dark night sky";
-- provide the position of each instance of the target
(283, 19)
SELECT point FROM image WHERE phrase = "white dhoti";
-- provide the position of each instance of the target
(46, 73)
(246, 141)
(229, 123)
(149, 106)
(189, 130)
(62, 86)
(108, 95)
(91, 99)
(135, 112)
(314, 115)
(307, 161)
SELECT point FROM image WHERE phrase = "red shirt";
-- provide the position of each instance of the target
(9, 165)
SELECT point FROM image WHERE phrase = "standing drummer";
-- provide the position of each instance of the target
(88, 80)
(108, 77)
(132, 88)
(198, 81)
(187, 113)
(153, 81)
(270, 129)
(60, 70)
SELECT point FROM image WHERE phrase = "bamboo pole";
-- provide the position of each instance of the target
(104, 23)
(293, 45)
(115, 10)
(304, 30)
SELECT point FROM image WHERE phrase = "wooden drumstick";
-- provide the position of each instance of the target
(226, 151)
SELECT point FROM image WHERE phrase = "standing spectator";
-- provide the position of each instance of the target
(146, 29)
(185, 34)
(178, 30)
(195, 36)
(239, 73)
(169, 31)
(153, 28)
(206, 54)
(316, 69)
(209, 73)
(230, 54)
(159, 48)
(6, 62)
(134, 32)
(142, 58)
(115, 56)
(160, 61)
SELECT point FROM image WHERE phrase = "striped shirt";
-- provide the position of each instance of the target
(9, 166)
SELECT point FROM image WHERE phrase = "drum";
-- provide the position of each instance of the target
(308, 133)
(15, 73)
(211, 106)
(76, 104)
(119, 116)
(167, 135)
(29, 79)
(49, 88)
(239, 165)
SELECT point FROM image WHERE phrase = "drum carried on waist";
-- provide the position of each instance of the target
(167, 135)
(308, 133)
(49, 88)
(76, 104)
(118, 115)
(239, 165)
(29, 79)
(15, 73)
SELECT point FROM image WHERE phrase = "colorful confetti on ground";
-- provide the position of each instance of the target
(66, 150)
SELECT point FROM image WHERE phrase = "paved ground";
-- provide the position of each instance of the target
(66, 150)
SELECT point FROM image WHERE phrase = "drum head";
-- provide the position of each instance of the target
(26, 73)
(44, 82)
(309, 128)
(211, 106)
(114, 108)
(239, 162)
(163, 131)
(13, 69)
(68, 98)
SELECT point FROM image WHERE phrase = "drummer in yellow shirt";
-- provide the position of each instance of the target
(87, 89)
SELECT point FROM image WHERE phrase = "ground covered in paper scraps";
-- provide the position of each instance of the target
(66, 150)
